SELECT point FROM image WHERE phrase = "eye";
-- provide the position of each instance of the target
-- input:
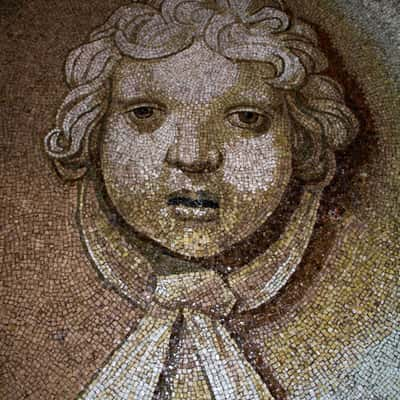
(250, 119)
(143, 112)
(145, 117)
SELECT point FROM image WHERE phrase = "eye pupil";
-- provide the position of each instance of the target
(143, 112)
(248, 117)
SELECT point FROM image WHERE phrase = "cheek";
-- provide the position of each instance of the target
(131, 161)
(255, 165)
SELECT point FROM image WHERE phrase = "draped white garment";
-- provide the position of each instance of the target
(217, 368)
(205, 363)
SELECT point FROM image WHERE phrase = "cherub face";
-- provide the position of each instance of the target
(195, 155)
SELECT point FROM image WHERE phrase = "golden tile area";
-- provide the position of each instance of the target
(203, 205)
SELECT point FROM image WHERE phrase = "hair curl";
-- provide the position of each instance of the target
(240, 30)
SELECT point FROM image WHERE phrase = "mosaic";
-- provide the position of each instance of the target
(203, 204)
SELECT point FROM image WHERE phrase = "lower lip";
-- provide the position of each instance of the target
(201, 214)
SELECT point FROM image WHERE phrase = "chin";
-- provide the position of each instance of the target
(194, 239)
(192, 243)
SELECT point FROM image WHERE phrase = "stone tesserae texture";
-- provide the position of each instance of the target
(212, 213)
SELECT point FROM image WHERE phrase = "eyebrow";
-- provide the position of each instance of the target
(266, 103)
(119, 102)
(260, 95)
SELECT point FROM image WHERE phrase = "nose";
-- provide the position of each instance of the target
(193, 150)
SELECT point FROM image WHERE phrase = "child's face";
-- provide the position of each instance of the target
(196, 151)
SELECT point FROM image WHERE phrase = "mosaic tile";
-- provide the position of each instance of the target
(203, 204)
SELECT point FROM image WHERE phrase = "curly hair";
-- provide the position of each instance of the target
(240, 30)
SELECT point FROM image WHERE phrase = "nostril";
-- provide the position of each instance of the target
(215, 159)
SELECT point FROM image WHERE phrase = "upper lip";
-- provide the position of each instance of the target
(194, 199)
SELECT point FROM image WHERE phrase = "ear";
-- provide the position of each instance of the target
(69, 169)
(69, 173)
(327, 176)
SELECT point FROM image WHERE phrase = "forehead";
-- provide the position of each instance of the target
(196, 75)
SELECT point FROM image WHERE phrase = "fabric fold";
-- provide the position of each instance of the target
(210, 364)
(133, 370)
(229, 374)
(195, 358)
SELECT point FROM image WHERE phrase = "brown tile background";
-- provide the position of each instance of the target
(57, 320)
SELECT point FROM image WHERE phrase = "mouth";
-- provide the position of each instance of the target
(190, 205)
